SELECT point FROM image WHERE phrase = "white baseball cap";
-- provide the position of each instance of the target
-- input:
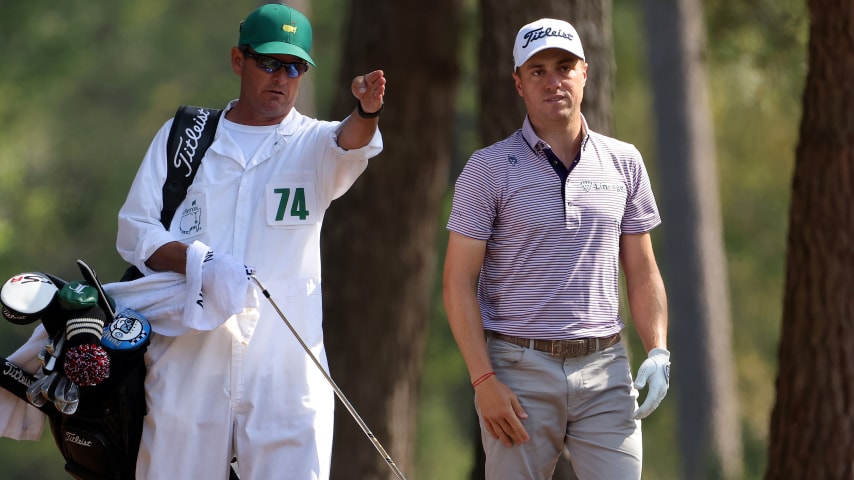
(542, 34)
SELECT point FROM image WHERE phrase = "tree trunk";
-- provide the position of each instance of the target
(502, 110)
(695, 262)
(812, 425)
(305, 103)
(379, 241)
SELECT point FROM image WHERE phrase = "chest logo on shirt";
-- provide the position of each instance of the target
(191, 219)
(590, 186)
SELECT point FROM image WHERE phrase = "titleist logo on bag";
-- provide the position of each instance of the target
(75, 438)
(188, 142)
(14, 372)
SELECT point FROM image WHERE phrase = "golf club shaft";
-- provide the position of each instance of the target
(338, 392)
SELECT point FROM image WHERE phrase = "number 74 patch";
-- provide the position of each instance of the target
(291, 204)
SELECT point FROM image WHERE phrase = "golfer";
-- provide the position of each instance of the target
(540, 225)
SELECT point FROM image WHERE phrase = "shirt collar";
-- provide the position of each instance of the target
(538, 144)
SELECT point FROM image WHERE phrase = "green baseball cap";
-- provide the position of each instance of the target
(276, 29)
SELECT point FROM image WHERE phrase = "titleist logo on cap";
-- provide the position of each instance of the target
(541, 32)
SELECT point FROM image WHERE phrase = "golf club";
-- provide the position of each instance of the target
(338, 391)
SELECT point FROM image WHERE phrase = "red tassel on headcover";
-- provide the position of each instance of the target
(86, 362)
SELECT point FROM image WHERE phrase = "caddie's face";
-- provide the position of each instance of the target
(265, 98)
(551, 83)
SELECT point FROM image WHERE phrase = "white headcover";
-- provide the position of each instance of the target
(26, 296)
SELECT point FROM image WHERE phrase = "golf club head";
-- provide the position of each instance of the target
(34, 392)
(66, 395)
(26, 297)
(54, 350)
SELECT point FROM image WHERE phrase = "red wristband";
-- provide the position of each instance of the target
(481, 379)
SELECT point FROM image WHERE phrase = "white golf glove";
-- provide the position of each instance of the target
(656, 371)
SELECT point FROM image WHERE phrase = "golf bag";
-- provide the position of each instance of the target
(97, 425)
(101, 439)
(91, 381)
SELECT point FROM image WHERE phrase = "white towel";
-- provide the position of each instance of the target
(160, 298)
(168, 300)
(221, 283)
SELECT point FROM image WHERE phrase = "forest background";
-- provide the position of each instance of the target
(86, 84)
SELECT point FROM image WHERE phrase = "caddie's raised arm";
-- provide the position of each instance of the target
(358, 129)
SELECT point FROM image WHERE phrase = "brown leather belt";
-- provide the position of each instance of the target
(561, 348)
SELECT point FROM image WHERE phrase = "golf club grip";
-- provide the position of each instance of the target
(14, 379)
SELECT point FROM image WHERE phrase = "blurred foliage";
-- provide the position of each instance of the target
(86, 84)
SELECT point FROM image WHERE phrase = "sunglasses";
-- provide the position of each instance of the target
(271, 65)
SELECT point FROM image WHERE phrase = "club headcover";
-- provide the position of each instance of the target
(26, 297)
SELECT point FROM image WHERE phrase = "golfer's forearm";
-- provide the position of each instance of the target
(648, 304)
(473, 349)
(467, 327)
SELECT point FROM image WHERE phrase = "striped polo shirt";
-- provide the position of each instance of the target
(551, 267)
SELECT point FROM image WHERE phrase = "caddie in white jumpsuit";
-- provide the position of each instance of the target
(243, 386)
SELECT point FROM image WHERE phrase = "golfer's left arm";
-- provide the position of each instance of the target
(645, 289)
(648, 305)
(358, 129)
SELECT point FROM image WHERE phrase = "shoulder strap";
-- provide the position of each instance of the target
(191, 134)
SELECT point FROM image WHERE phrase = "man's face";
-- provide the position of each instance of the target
(551, 83)
(266, 98)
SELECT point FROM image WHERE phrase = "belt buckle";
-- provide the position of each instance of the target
(566, 348)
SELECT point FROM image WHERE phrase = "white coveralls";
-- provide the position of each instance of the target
(215, 394)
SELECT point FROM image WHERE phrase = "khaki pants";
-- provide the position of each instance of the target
(585, 403)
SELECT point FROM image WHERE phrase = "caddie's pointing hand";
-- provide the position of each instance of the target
(655, 370)
(369, 90)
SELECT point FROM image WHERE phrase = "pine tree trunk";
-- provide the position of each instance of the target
(694, 258)
(812, 425)
(379, 240)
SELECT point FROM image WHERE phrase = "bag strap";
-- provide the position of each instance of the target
(191, 134)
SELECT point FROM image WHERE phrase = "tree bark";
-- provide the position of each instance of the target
(305, 103)
(502, 110)
(812, 425)
(694, 257)
(379, 241)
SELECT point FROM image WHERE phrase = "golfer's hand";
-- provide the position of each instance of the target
(369, 90)
(500, 412)
(655, 370)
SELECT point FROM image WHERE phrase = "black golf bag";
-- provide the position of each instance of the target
(101, 438)
(91, 382)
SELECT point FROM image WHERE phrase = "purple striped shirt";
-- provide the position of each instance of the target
(551, 268)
